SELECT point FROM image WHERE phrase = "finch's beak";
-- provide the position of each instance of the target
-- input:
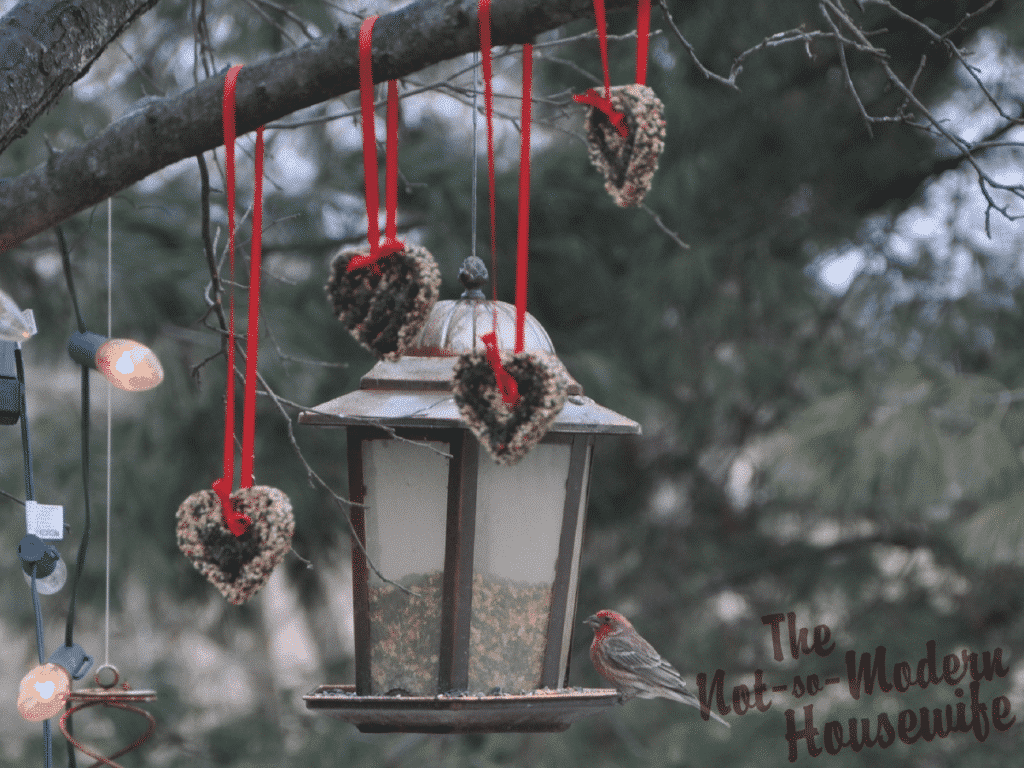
(593, 621)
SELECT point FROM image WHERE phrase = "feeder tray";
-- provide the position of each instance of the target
(113, 695)
(542, 711)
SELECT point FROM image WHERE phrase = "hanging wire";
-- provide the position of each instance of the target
(476, 58)
(65, 257)
(110, 334)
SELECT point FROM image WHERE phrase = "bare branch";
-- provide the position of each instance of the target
(986, 183)
(664, 228)
(163, 131)
(846, 71)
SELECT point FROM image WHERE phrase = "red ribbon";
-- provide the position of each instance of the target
(391, 244)
(506, 383)
(485, 47)
(593, 98)
(523, 241)
(238, 523)
(643, 31)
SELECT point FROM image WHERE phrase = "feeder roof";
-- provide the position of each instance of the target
(416, 391)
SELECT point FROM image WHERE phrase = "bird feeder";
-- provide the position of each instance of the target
(464, 621)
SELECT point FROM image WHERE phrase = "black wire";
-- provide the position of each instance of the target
(65, 257)
(69, 631)
(84, 546)
(26, 446)
(47, 733)
(39, 615)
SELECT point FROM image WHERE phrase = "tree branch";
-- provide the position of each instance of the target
(45, 46)
(163, 131)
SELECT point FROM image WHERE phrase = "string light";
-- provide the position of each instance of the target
(51, 572)
(46, 687)
(15, 324)
(126, 364)
(43, 691)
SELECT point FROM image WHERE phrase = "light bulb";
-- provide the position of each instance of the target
(15, 324)
(43, 691)
(129, 365)
(126, 364)
(51, 572)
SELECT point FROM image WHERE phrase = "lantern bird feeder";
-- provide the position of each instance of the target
(126, 364)
(470, 627)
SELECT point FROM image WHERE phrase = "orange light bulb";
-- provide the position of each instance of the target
(43, 691)
(129, 365)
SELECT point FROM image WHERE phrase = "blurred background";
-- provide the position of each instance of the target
(829, 378)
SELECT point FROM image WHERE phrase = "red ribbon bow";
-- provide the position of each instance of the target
(594, 99)
(506, 383)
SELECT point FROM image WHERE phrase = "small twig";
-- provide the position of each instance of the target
(204, 198)
(664, 228)
(266, 17)
(728, 82)
(290, 16)
(968, 16)
(902, 111)
(15, 499)
(572, 65)
(343, 504)
(846, 71)
(292, 359)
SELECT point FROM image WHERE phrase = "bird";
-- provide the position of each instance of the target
(630, 663)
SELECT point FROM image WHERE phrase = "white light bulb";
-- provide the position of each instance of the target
(48, 585)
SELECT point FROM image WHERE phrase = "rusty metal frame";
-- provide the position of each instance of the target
(457, 589)
(560, 609)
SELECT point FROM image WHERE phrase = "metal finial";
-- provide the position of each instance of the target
(472, 275)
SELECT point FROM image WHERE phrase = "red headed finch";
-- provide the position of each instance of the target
(631, 664)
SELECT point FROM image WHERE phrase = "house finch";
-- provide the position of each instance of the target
(631, 664)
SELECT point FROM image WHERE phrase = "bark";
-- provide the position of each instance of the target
(163, 131)
(46, 45)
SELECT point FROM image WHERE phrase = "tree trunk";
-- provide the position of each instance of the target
(164, 131)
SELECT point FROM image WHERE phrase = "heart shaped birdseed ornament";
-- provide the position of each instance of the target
(508, 432)
(238, 566)
(384, 305)
(628, 163)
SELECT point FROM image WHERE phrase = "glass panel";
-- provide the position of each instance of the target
(406, 512)
(574, 574)
(518, 523)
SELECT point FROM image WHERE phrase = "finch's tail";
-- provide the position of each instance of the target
(686, 697)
